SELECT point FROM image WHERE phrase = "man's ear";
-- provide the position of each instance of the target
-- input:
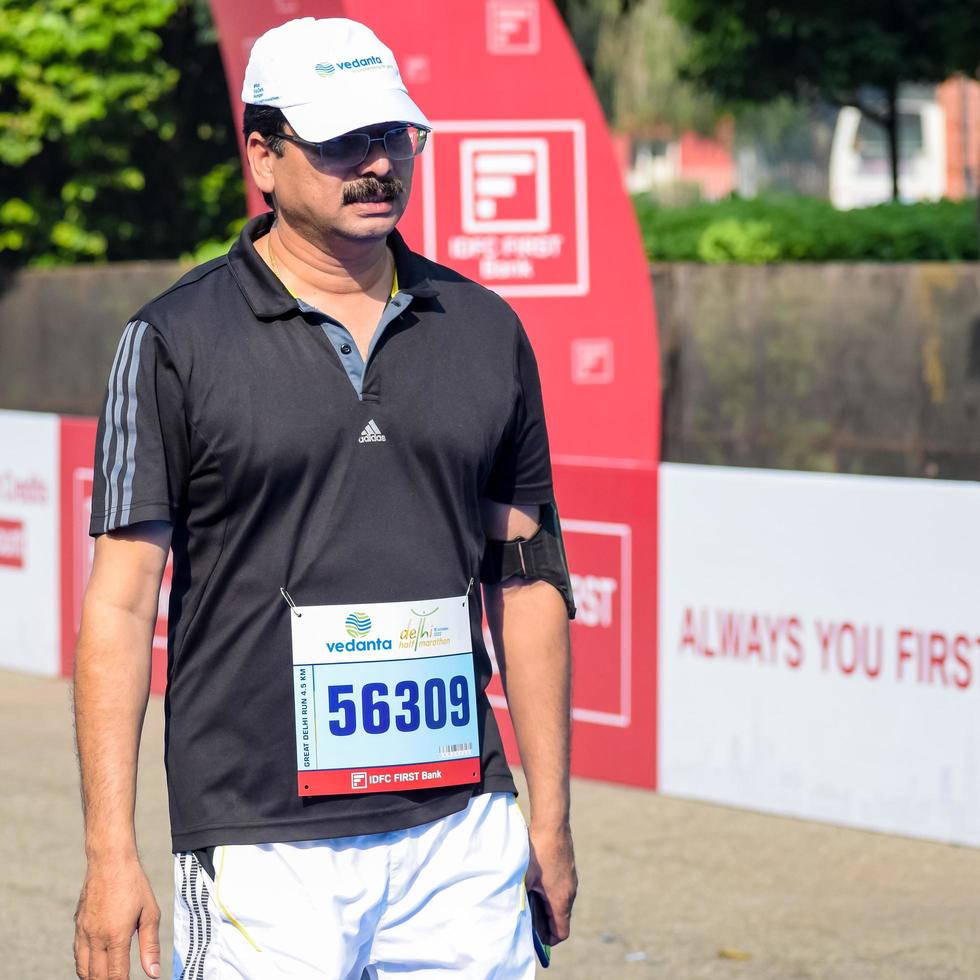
(261, 161)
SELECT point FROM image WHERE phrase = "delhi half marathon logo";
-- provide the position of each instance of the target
(358, 625)
(325, 69)
(421, 632)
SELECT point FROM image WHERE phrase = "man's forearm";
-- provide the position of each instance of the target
(529, 625)
(112, 683)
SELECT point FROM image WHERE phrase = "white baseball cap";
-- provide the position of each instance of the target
(328, 77)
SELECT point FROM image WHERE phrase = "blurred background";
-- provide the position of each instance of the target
(772, 531)
(788, 138)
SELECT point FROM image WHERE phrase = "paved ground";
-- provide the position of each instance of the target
(669, 889)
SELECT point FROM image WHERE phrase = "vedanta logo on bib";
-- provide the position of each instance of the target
(357, 646)
(358, 624)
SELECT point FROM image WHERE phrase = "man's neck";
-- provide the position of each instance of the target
(347, 268)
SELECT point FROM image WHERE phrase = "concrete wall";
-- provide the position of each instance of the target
(862, 368)
(59, 329)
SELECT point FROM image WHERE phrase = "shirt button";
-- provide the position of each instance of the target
(346, 349)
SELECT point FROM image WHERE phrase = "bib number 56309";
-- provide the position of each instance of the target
(437, 703)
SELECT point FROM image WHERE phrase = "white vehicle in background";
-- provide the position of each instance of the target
(860, 170)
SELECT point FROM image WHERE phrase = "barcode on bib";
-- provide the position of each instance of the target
(457, 748)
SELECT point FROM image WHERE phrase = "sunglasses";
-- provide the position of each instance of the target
(401, 143)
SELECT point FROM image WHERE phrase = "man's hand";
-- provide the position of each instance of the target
(116, 901)
(551, 873)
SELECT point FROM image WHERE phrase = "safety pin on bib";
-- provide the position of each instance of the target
(289, 600)
(466, 595)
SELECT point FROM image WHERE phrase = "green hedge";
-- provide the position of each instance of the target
(806, 229)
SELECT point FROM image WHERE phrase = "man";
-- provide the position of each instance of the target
(333, 435)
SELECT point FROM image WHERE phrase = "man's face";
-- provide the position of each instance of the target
(325, 201)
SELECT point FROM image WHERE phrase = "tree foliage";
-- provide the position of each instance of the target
(116, 136)
(849, 52)
(632, 50)
(791, 228)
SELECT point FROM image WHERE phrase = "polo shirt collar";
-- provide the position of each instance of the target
(269, 298)
(413, 271)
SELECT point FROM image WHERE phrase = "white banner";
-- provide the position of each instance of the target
(29, 542)
(820, 647)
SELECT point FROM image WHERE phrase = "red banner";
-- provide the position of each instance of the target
(77, 548)
(519, 188)
(611, 551)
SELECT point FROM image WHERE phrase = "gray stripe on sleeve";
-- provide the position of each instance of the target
(129, 469)
(119, 432)
(109, 407)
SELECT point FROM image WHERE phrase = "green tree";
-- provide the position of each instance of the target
(586, 20)
(116, 136)
(848, 52)
(632, 50)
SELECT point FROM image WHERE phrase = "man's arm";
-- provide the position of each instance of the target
(529, 626)
(112, 683)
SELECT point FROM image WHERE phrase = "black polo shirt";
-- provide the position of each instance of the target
(230, 414)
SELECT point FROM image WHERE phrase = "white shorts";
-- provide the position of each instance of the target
(444, 898)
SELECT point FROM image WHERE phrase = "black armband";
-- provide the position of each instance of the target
(542, 556)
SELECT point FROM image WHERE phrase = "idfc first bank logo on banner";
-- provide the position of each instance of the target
(511, 211)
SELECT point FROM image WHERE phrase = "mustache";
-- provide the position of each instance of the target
(373, 189)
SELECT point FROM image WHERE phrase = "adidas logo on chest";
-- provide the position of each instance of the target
(371, 433)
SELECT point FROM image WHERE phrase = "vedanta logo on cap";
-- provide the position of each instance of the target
(326, 69)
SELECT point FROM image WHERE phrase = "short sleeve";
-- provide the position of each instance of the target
(141, 449)
(521, 472)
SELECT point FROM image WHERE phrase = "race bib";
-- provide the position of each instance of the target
(385, 697)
